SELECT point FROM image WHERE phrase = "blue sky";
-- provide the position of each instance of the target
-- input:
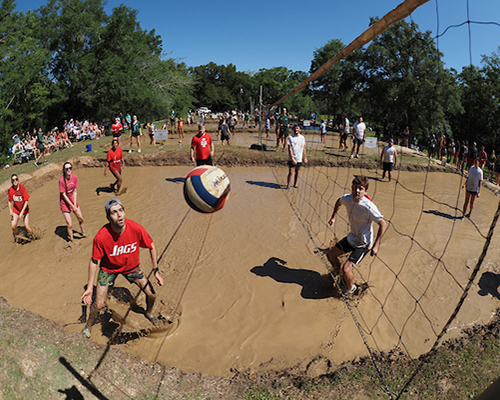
(267, 34)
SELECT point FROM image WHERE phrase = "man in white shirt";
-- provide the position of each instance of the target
(361, 212)
(359, 131)
(296, 154)
(388, 159)
(472, 187)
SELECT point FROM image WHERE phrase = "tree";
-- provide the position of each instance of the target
(24, 90)
(221, 87)
(279, 81)
(101, 64)
(479, 88)
(404, 82)
(333, 92)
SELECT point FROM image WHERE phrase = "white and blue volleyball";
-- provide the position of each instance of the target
(206, 189)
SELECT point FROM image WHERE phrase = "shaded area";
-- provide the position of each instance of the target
(265, 184)
(176, 180)
(314, 285)
(488, 284)
(74, 393)
(105, 189)
(62, 232)
(441, 214)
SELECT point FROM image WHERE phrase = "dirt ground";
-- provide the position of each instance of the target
(247, 293)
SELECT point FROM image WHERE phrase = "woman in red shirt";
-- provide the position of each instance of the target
(18, 205)
(115, 161)
(117, 129)
(68, 184)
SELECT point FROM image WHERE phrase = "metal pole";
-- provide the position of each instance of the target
(260, 116)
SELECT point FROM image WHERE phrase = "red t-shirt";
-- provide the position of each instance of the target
(120, 253)
(115, 159)
(116, 128)
(68, 188)
(202, 146)
(19, 197)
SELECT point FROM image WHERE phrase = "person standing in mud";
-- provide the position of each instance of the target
(117, 247)
(362, 213)
(68, 199)
(202, 148)
(135, 132)
(296, 155)
(472, 187)
(283, 126)
(114, 162)
(117, 129)
(388, 159)
(18, 206)
(359, 134)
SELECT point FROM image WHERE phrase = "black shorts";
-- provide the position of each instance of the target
(206, 161)
(135, 134)
(357, 253)
(387, 166)
(292, 165)
(116, 135)
(472, 193)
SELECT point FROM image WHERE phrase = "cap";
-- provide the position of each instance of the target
(391, 140)
(111, 203)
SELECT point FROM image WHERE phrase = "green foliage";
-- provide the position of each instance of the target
(70, 59)
(24, 92)
(479, 88)
(279, 81)
(403, 82)
(334, 91)
(221, 87)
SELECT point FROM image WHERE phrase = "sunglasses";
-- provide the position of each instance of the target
(68, 168)
(14, 179)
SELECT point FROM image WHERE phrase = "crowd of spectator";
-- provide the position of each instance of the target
(33, 145)
(458, 153)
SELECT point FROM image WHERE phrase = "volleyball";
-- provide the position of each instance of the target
(206, 189)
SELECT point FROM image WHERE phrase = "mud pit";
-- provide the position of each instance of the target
(244, 286)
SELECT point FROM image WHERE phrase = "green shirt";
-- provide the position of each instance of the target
(136, 127)
(284, 123)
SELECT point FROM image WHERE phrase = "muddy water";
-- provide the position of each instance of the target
(244, 286)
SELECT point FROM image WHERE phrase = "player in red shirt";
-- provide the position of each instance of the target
(117, 246)
(68, 199)
(18, 205)
(115, 161)
(202, 143)
(117, 129)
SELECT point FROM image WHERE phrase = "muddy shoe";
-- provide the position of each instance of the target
(155, 321)
(86, 332)
(350, 291)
